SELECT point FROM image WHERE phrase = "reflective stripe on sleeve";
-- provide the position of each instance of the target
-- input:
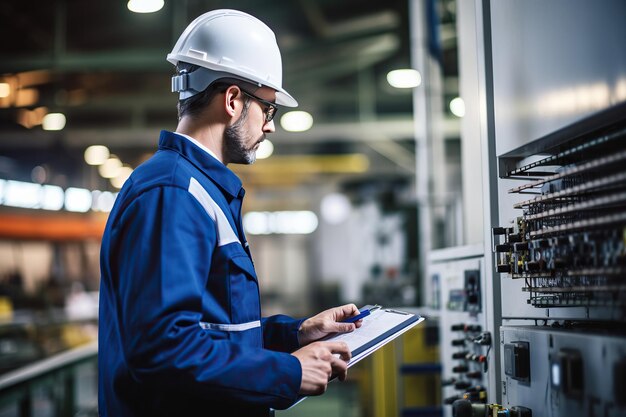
(230, 327)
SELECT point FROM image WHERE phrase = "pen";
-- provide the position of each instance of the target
(364, 313)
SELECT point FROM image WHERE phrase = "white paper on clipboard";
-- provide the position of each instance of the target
(378, 329)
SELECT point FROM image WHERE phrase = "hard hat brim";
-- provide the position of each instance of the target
(283, 98)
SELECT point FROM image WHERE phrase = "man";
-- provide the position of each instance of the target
(180, 325)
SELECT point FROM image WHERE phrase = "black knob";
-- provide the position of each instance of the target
(462, 385)
(458, 342)
(460, 355)
(459, 369)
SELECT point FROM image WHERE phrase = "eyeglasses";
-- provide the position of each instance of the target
(271, 109)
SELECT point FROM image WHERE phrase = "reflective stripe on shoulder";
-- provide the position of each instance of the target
(225, 233)
(230, 327)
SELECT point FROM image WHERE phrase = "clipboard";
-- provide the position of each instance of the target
(379, 328)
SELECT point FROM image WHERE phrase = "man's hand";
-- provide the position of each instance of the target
(328, 322)
(320, 361)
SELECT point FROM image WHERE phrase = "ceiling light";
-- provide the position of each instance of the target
(77, 199)
(53, 121)
(122, 175)
(266, 149)
(96, 154)
(404, 78)
(457, 107)
(145, 6)
(110, 167)
(52, 197)
(5, 90)
(22, 194)
(335, 208)
(296, 121)
(280, 222)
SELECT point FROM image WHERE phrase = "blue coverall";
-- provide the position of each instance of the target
(180, 331)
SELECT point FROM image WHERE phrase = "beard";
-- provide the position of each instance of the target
(235, 140)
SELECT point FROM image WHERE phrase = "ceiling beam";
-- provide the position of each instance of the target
(119, 60)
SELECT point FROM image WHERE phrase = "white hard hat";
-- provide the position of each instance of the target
(229, 44)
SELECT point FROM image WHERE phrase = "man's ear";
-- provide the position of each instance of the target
(230, 100)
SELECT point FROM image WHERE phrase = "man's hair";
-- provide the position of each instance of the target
(194, 105)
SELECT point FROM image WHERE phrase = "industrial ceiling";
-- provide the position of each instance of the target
(104, 67)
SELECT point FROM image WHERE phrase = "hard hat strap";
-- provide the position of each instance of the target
(189, 84)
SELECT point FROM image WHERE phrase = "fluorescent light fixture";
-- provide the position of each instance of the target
(22, 194)
(32, 196)
(404, 78)
(145, 6)
(110, 167)
(266, 149)
(52, 197)
(280, 222)
(122, 175)
(296, 121)
(5, 90)
(53, 121)
(335, 208)
(96, 154)
(77, 199)
(457, 107)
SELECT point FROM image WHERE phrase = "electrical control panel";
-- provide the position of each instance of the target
(457, 284)
(568, 372)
